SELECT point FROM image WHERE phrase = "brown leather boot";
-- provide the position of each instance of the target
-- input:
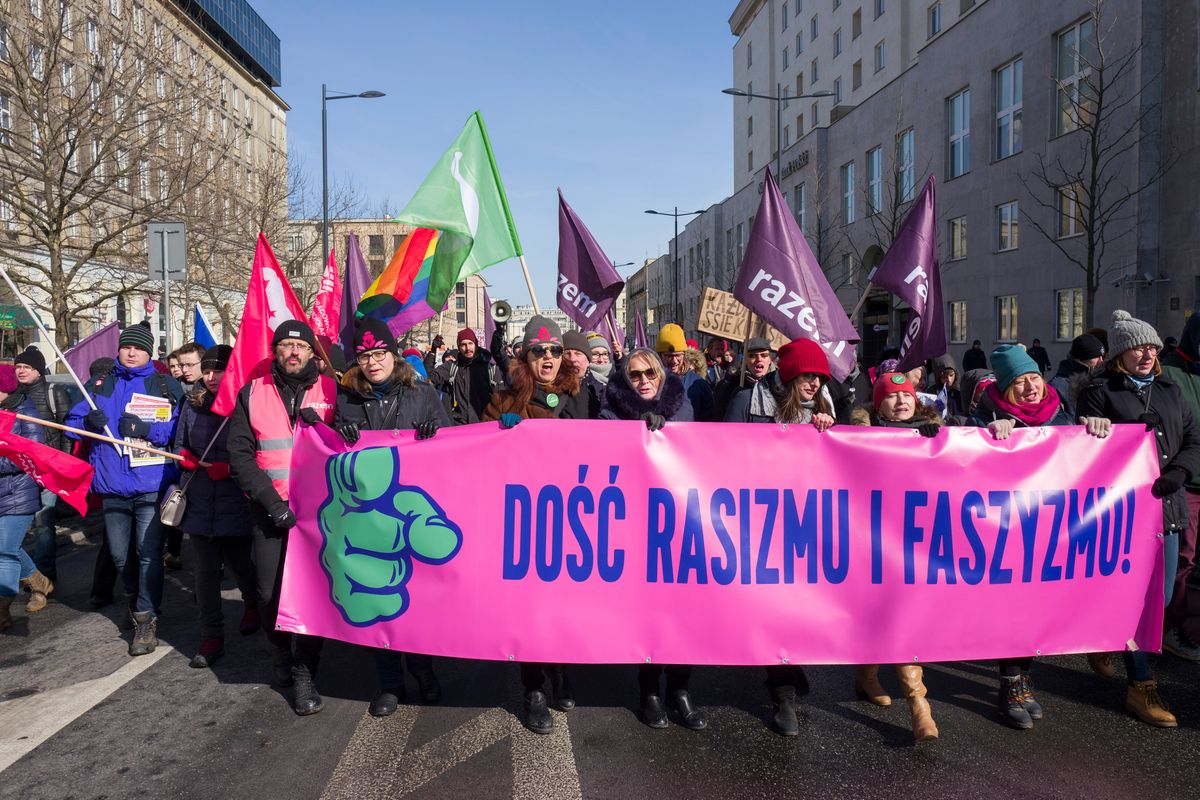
(868, 687)
(1102, 664)
(5, 615)
(923, 726)
(1144, 702)
(39, 586)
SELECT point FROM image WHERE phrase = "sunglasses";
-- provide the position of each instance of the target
(540, 350)
(638, 374)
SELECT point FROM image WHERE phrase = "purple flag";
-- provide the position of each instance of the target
(354, 285)
(781, 281)
(639, 331)
(588, 285)
(100, 344)
(489, 324)
(910, 271)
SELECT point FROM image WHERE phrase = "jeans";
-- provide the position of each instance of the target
(45, 535)
(133, 522)
(211, 552)
(15, 564)
(1137, 663)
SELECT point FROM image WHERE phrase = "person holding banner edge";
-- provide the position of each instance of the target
(1133, 389)
(381, 391)
(542, 385)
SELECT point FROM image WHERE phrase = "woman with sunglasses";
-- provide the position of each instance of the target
(1133, 389)
(642, 389)
(542, 385)
(381, 391)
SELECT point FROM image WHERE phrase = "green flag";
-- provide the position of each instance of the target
(464, 199)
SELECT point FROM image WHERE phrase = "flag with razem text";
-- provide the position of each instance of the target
(910, 271)
(781, 281)
(588, 283)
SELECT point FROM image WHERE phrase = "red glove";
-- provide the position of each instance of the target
(189, 462)
(218, 470)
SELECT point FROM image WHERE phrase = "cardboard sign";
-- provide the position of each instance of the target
(722, 315)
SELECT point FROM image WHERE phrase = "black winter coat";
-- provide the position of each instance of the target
(214, 508)
(1115, 397)
(621, 400)
(401, 408)
(467, 386)
(39, 393)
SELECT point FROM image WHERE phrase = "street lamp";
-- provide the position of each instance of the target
(674, 254)
(779, 97)
(325, 98)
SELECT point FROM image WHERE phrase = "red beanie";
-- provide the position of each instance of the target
(467, 333)
(412, 351)
(801, 356)
(891, 383)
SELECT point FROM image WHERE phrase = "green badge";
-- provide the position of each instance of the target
(899, 378)
(552, 400)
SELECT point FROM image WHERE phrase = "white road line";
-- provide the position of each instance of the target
(27, 722)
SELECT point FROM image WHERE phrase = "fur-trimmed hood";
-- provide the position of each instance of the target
(863, 415)
(621, 400)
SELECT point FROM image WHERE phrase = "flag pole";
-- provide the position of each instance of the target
(529, 284)
(861, 302)
(58, 353)
(100, 437)
(611, 329)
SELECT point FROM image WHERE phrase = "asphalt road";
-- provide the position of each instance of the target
(81, 719)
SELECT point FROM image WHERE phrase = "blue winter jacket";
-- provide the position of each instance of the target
(18, 493)
(114, 476)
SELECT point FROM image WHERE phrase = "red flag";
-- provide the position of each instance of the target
(327, 306)
(270, 301)
(59, 472)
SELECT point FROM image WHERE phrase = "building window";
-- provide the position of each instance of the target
(958, 108)
(460, 302)
(1070, 210)
(1068, 314)
(36, 62)
(799, 7)
(880, 7)
(1008, 109)
(785, 58)
(847, 270)
(814, 73)
(139, 20)
(880, 57)
(114, 7)
(1076, 53)
(787, 137)
(848, 193)
(964, 6)
(800, 83)
(35, 8)
(875, 180)
(741, 243)
(749, 126)
(957, 314)
(784, 17)
(1006, 226)
(856, 24)
(906, 185)
(750, 161)
(799, 126)
(375, 245)
(837, 91)
(958, 238)
(856, 75)
(816, 119)
(1006, 318)
(933, 19)
(798, 205)
(812, 29)
(749, 54)
(837, 43)
(799, 44)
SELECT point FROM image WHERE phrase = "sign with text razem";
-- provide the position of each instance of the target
(879, 546)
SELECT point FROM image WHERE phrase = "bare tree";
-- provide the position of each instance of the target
(94, 144)
(1102, 107)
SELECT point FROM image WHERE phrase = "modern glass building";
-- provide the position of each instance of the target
(242, 32)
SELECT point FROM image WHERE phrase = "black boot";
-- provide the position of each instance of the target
(1010, 702)
(1032, 706)
(784, 722)
(386, 702)
(560, 685)
(428, 687)
(281, 665)
(654, 713)
(305, 698)
(689, 715)
(537, 713)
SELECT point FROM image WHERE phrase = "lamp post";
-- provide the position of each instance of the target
(325, 98)
(674, 253)
(779, 97)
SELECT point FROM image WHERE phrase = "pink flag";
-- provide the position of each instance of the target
(59, 472)
(327, 306)
(270, 302)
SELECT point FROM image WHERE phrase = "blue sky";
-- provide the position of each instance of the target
(618, 103)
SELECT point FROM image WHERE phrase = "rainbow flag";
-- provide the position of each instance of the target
(398, 295)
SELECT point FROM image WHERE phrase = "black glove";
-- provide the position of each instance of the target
(1150, 420)
(282, 517)
(654, 422)
(95, 420)
(425, 430)
(1169, 482)
(310, 416)
(929, 430)
(348, 432)
(134, 427)
(438, 342)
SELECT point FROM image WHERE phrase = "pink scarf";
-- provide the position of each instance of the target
(1031, 414)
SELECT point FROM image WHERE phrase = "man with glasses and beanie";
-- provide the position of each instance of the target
(670, 347)
(261, 431)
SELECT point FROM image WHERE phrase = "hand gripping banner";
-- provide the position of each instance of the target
(601, 542)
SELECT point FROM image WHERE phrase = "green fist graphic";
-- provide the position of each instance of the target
(372, 528)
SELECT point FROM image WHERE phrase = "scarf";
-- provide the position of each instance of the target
(806, 413)
(297, 383)
(1031, 414)
(1142, 383)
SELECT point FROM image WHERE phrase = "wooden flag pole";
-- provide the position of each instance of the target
(529, 284)
(102, 438)
(861, 302)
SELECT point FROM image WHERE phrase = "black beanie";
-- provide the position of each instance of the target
(139, 335)
(373, 334)
(294, 329)
(32, 357)
(216, 357)
(1086, 347)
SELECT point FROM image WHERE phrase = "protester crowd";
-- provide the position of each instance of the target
(233, 471)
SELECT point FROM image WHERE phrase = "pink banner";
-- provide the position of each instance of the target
(601, 542)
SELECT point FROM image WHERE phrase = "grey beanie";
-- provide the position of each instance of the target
(1126, 333)
(541, 330)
